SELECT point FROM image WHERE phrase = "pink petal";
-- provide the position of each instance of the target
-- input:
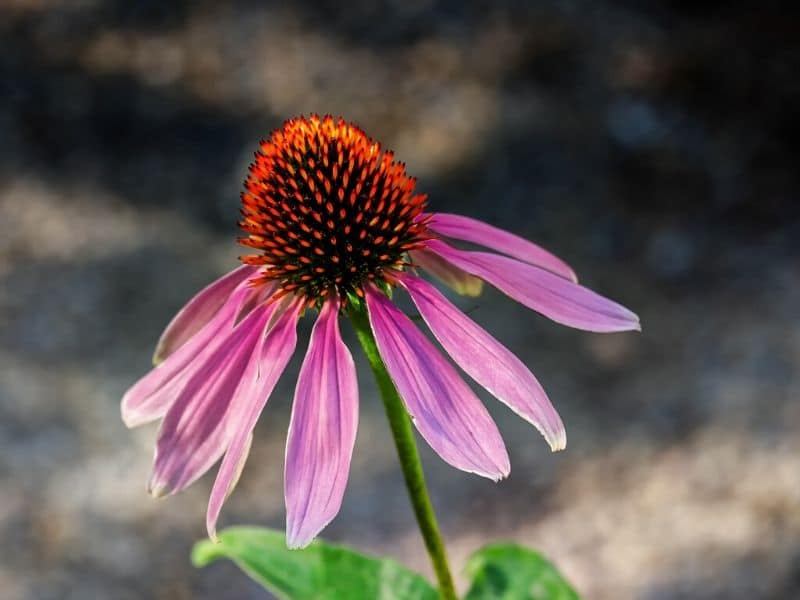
(266, 367)
(553, 296)
(486, 360)
(471, 230)
(445, 410)
(322, 431)
(150, 397)
(460, 281)
(199, 311)
(195, 430)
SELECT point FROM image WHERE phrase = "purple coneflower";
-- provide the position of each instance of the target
(335, 222)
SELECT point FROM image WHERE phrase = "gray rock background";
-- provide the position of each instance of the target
(653, 145)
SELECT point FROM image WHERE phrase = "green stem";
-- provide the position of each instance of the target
(410, 463)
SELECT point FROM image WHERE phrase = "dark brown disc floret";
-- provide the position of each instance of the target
(328, 210)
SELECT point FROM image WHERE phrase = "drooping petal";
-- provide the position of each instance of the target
(269, 361)
(150, 397)
(540, 290)
(199, 311)
(444, 409)
(322, 431)
(237, 473)
(458, 280)
(196, 430)
(471, 230)
(486, 360)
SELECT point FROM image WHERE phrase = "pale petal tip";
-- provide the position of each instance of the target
(159, 354)
(212, 533)
(130, 418)
(301, 535)
(500, 476)
(627, 320)
(158, 492)
(636, 324)
(557, 442)
(127, 418)
(157, 489)
(633, 325)
(498, 473)
(296, 542)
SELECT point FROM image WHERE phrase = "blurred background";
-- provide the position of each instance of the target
(653, 145)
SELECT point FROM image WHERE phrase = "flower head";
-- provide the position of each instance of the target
(336, 220)
(328, 210)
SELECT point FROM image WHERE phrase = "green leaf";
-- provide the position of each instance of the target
(321, 571)
(511, 572)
